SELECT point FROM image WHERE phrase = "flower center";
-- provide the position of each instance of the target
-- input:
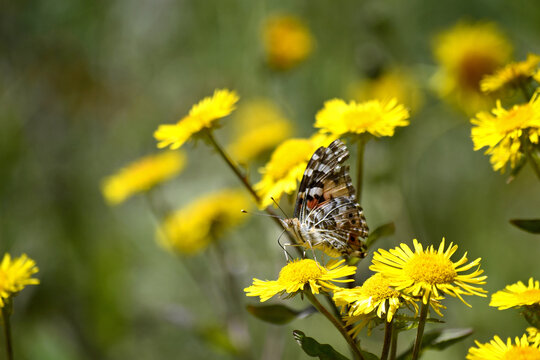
(430, 268)
(531, 296)
(473, 67)
(522, 353)
(516, 118)
(301, 271)
(378, 287)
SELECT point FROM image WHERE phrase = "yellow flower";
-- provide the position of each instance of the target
(429, 273)
(294, 277)
(261, 126)
(15, 275)
(512, 75)
(202, 116)
(379, 118)
(496, 349)
(287, 41)
(142, 175)
(466, 53)
(286, 167)
(502, 131)
(394, 83)
(374, 296)
(516, 295)
(189, 230)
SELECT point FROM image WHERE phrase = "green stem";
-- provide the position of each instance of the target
(336, 323)
(393, 346)
(360, 167)
(388, 327)
(232, 166)
(420, 331)
(6, 312)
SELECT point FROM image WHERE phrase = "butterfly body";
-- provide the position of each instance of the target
(327, 216)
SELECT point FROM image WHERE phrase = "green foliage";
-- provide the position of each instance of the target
(314, 349)
(530, 225)
(278, 314)
(439, 340)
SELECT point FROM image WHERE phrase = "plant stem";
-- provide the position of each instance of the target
(420, 332)
(336, 323)
(393, 347)
(388, 327)
(6, 310)
(232, 166)
(360, 167)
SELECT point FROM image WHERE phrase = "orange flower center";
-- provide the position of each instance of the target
(473, 67)
(522, 353)
(378, 287)
(301, 272)
(430, 268)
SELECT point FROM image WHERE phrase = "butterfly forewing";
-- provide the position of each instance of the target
(326, 207)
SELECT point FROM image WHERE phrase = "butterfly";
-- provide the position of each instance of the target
(326, 214)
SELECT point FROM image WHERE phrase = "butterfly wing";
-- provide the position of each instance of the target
(325, 178)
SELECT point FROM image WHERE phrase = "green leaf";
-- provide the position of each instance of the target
(218, 338)
(530, 225)
(439, 340)
(314, 349)
(278, 314)
(369, 356)
(381, 231)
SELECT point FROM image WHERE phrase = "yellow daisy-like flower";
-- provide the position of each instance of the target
(261, 126)
(142, 175)
(501, 131)
(376, 295)
(190, 230)
(430, 272)
(298, 274)
(516, 295)
(202, 115)
(287, 41)
(15, 274)
(512, 75)
(394, 83)
(496, 349)
(466, 53)
(286, 167)
(379, 118)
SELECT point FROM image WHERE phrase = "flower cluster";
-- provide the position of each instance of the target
(513, 75)
(15, 274)
(142, 175)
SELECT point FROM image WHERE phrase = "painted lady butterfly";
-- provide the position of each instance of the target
(326, 214)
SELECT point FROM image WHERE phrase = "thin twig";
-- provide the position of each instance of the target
(6, 310)
(388, 327)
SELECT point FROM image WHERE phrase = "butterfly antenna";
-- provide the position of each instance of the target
(260, 214)
(279, 207)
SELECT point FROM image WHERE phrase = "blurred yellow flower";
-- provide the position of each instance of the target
(374, 296)
(287, 41)
(202, 115)
(534, 335)
(429, 273)
(15, 275)
(394, 83)
(496, 349)
(261, 126)
(190, 229)
(294, 277)
(517, 295)
(513, 75)
(379, 118)
(466, 53)
(142, 175)
(503, 131)
(286, 167)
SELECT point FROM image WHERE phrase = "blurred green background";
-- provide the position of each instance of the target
(83, 85)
